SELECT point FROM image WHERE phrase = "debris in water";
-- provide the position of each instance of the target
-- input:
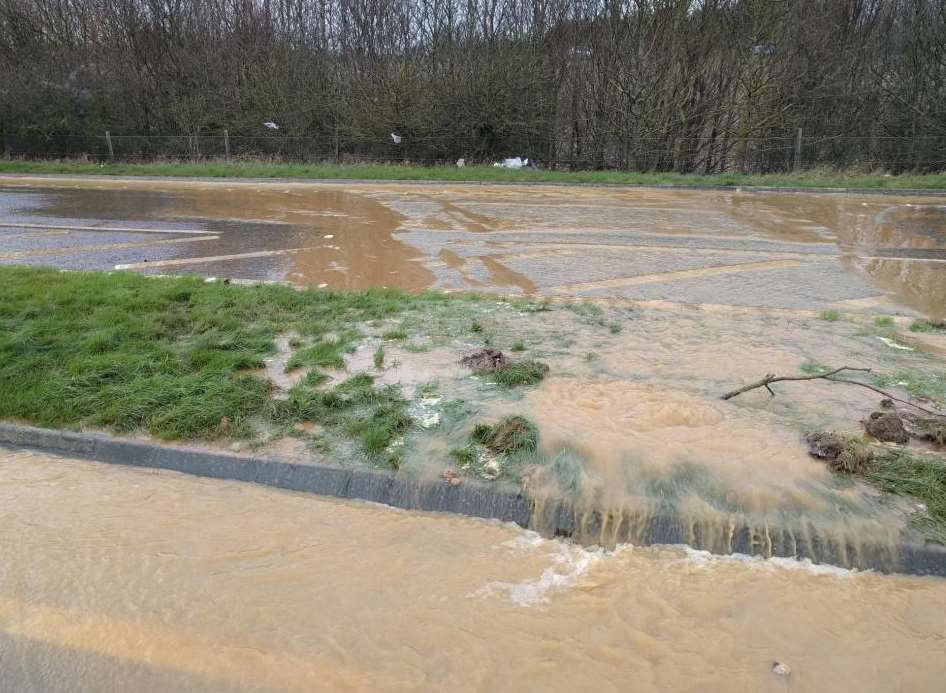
(485, 360)
(781, 669)
(843, 453)
(451, 477)
(511, 435)
(492, 469)
(887, 426)
(928, 428)
(893, 345)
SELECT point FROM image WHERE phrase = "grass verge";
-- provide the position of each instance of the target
(920, 477)
(176, 357)
(822, 178)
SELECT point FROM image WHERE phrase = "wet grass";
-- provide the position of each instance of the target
(821, 178)
(519, 373)
(171, 356)
(512, 435)
(830, 315)
(375, 417)
(922, 478)
(928, 326)
(396, 334)
(883, 321)
(929, 384)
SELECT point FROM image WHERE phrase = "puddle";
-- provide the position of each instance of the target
(773, 250)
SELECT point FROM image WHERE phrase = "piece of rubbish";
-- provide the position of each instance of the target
(514, 163)
(396, 138)
(461, 162)
(781, 669)
(328, 235)
(322, 285)
(271, 125)
(491, 470)
(892, 344)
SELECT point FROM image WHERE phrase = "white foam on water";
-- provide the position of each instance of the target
(570, 564)
(705, 558)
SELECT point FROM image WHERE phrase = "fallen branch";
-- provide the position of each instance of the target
(772, 378)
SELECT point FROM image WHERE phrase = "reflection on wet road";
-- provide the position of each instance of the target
(770, 250)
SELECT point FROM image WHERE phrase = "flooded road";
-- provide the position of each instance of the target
(765, 250)
(121, 579)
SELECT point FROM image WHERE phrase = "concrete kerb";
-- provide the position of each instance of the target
(237, 180)
(473, 499)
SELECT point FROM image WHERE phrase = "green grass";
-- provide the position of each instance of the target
(830, 315)
(927, 326)
(512, 435)
(883, 321)
(172, 356)
(374, 417)
(928, 384)
(518, 345)
(519, 373)
(253, 169)
(396, 334)
(813, 368)
(920, 477)
(378, 357)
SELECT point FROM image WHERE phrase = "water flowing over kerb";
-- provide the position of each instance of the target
(550, 517)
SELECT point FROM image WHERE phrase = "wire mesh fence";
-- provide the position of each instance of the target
(771, 154)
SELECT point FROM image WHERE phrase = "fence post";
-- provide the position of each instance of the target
(108, 141)
(226, 143)
(798, 151)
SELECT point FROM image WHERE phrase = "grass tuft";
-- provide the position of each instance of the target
(927, 326)
(519, 373)
(830, 315)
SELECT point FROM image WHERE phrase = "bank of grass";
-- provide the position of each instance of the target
(920, 477)
(821, 178)
(174, 357)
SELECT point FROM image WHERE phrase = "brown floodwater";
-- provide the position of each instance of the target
(769, 250)
(122, 579)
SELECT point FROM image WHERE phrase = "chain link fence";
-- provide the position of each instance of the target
(773, 154)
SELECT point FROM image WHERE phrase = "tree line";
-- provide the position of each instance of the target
(689, 85)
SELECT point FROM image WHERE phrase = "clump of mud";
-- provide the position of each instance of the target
(842, 453)
(887, 427)
(487, 360)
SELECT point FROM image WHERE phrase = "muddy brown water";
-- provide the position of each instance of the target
(783, 250)
(122, 579)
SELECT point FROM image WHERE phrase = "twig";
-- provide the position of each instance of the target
(772, 378)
